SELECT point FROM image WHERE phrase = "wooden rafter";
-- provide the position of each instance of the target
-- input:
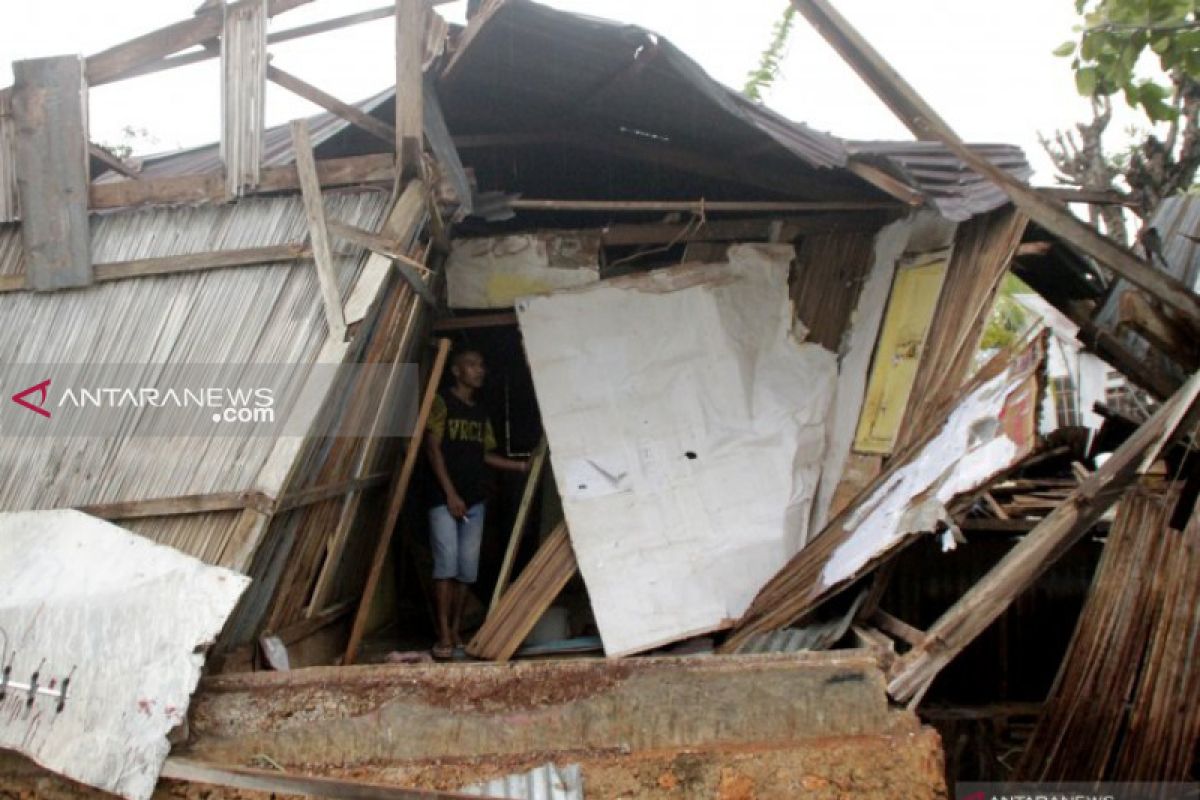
(352, 114)
(314, 208)
(209, 187)
(926, 125)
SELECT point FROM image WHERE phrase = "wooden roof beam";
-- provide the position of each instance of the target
(926, 125)
(352, 114)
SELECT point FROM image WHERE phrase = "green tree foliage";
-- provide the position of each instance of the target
(761, 78)
(1009, 320)
(1147, 53)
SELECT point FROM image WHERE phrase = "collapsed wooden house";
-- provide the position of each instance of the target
(586, 184)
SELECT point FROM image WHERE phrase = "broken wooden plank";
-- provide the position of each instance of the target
(243, 93)
(396, 503)
(1037, 551)
(926, 125)
(524, 604)
(210, 187)
(408, 268)
(410, 106)
(318, 494)
(514, 539)
(1175, 341)
(49, 107)
(9, 202)
(314, 208)
(351, 114)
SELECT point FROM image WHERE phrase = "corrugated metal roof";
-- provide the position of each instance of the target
(528, 66)
(1177, 223)
(549, 782)
(269, 314)
(814, 636)
(957, 191)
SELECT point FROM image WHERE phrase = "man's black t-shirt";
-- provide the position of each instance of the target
(466, 433)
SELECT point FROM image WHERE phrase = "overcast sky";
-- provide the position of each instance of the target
(985, 66)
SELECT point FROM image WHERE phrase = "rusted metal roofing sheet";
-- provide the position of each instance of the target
(957, 191)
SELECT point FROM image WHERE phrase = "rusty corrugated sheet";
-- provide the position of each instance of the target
(957, 191)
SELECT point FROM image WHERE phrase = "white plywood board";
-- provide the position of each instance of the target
(687, 428)
(119, 615)
(493, 272)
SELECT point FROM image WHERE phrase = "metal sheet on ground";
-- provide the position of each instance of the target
(114, 621)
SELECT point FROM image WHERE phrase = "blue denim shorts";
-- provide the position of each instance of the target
(455, 543)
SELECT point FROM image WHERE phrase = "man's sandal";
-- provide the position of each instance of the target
(443, 652)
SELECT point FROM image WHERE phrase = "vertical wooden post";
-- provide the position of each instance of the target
(243, 93)
(396, 504)
(9, 207)
(314, 207)
(410, 50)
(49, 106)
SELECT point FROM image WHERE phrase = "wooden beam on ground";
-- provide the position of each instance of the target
(1037, 551)
(210, 187)
(695, 206)
(352, 114)
(926, 125)
(518, 528)
(410, 50)
(314, 208)
(396, 503)
(49, 108)
(476, 321)
(524, 604)
(260, 780)
(243, 93)
(409, 268)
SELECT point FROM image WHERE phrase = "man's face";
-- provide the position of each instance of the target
(469, 370)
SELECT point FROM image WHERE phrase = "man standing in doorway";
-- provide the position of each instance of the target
(460, 445)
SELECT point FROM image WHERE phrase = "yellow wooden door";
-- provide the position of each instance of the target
(915, 294)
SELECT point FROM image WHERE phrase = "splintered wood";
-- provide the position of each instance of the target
(1126, 703)
(522, 606)
(1033, 555)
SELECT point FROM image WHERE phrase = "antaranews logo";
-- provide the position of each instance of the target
(41, 389)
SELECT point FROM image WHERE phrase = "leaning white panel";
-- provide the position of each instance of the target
(687, 429)
(116, 620)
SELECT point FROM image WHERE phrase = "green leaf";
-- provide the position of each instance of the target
(1085, 81)
(1065, 49)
